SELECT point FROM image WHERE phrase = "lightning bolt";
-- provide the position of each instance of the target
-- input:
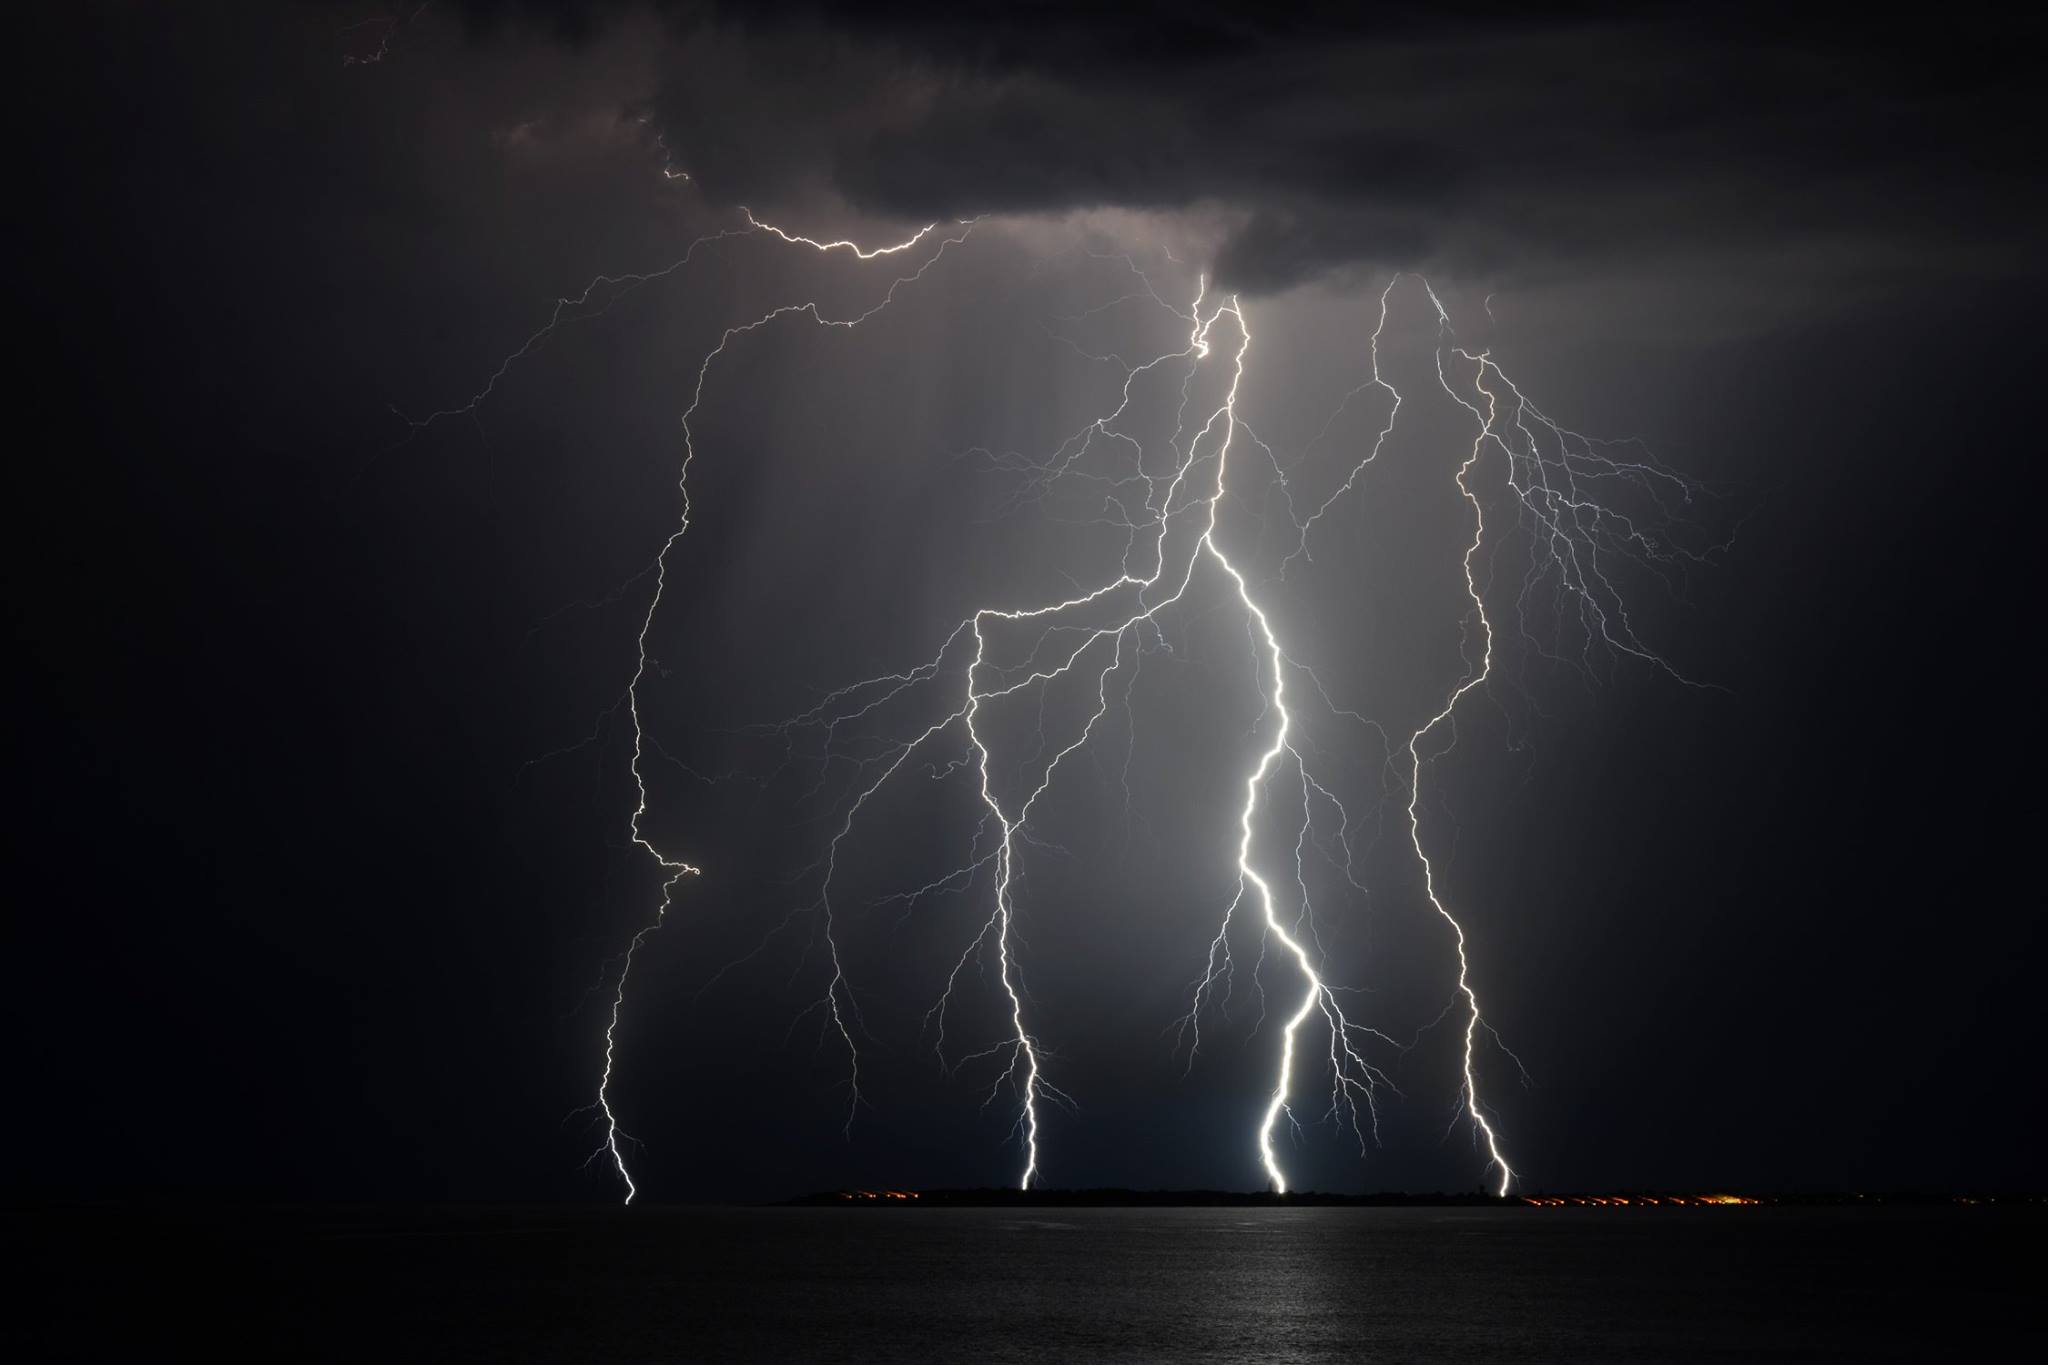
(1475, 679)
(594, 298)
(1161, 582)
(1134, 600)
(1002, 656)
(1572, 528)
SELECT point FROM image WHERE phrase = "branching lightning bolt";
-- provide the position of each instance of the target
(1001, 656)
(594, 297)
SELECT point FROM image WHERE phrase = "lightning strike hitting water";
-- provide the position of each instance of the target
(1005, 655)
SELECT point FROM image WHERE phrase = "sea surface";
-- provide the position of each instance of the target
(993, 1285)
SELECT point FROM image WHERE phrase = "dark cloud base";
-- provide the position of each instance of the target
(1474, 139)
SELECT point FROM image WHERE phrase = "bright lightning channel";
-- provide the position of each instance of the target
(1553, 475)
(1156, 583)
(595, 297)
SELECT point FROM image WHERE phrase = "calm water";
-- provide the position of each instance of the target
(1316, 1284)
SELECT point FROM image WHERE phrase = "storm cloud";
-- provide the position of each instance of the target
(1472, 140)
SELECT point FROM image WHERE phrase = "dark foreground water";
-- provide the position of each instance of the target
(1305, 1284)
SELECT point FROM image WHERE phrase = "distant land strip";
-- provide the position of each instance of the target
(1123, 1198)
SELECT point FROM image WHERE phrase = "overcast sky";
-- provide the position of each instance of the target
(324, 858)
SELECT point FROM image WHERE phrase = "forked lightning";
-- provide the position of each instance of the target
(1168, 513)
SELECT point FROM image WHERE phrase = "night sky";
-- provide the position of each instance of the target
(320, 843)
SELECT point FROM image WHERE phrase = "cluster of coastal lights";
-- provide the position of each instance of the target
(1627, 1201)
(877, 1195)
(1171, 526)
